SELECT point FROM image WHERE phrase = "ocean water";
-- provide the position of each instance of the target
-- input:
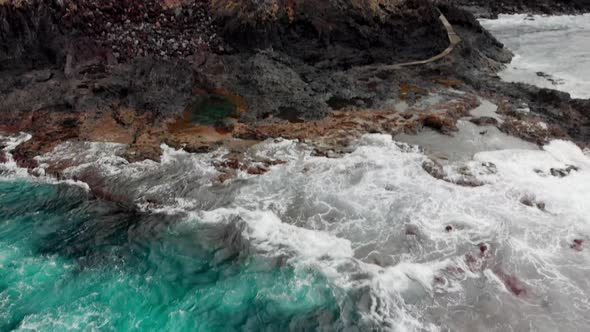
(368, 241)
(550, 51)
(69, 262)
(365, 242)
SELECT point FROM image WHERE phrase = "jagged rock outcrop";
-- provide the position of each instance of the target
(289, 60)
(335, 33)
(109, 70)
(30, 36)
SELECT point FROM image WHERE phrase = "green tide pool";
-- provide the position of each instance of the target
(69, 262)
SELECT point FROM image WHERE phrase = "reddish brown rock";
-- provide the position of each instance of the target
(412, 230)
(274, 162)
(513, 284)
(448, 82)
(408, 91)
(223, 177)
(532, 129)
(471, 261)
(446, 122)
(256, 170)
(438, 123)
(483, 249)
(527, 201)
(577, 244)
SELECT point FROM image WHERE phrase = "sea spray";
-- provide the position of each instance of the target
(368, 240)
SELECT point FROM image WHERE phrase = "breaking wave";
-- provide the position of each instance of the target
(369, 240)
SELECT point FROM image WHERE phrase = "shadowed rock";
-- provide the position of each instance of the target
(335, 33)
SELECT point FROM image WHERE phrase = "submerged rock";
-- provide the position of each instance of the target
(485, 121)
(563, 172)
(578, 245)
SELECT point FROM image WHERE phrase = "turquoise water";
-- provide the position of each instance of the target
(71, 262)
(211, 109)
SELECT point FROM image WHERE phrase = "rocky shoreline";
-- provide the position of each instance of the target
(491, 9)
(235, 75)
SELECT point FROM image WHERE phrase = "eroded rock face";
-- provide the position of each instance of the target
(335, 33)
(160, 88)
(30, 36)
(298, 73)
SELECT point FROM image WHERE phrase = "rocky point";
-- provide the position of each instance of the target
(199, 75)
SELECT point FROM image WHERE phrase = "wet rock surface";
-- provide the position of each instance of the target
(484, 121)
(289, 69)
(563, 172)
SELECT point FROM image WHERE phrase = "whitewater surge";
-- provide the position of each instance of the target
(502, 260)
(399, 249)
(10, 171)
(10, 168)
(550, 51)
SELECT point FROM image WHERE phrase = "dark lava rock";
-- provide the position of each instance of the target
(439, 123)
(412, 230)
(528, 201)
(483, 249)
(160, 87)
(294, 60)
(288, 63)
(334, 33)
(484, 121)
(549, 78)
(30, 38)
(434, 168)
(563, 172)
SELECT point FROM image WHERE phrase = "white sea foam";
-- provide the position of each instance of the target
(374, 223)
(392, 215)
(11, 171)
(558, 46)
(10, 167)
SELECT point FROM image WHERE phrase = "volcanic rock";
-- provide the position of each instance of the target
(484, 121)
